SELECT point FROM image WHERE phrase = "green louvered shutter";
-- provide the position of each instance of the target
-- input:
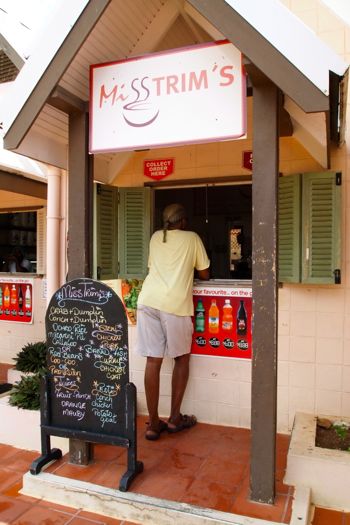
(289, 228)
(321, 228)
(106, 232)
(134, 232)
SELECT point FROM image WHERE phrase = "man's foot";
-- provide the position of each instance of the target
(183, 422)
(152, 434)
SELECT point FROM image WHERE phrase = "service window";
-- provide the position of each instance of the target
(23, 241)
(309, 235)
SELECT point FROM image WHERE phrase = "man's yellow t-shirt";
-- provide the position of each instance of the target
(169, 283)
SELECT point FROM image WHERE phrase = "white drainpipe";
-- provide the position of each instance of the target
(53, 231)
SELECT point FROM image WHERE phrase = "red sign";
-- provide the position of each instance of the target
(16, 300)
(222, 322)
(158, 169)
(248, 160)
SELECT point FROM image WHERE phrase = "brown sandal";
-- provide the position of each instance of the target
(185, 422)
(152, 434)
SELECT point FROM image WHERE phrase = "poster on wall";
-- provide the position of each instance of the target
(222, 322)
(16, 300)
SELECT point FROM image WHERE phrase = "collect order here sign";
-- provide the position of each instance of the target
(188, 95)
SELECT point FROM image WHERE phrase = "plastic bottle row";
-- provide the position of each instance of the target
(217, 321)
(12, 299)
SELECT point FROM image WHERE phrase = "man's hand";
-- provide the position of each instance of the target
(203, 275)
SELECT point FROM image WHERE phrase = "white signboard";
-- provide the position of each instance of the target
(189, 95)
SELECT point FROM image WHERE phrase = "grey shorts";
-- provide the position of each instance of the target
(161, 334)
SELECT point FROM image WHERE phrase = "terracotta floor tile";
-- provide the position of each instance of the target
(21, 461)
(197, 446)
(10, 509)
(4, 368)
(346, 518)
(13, 492)
(162, 485)
(150, 456)
(281, 488)
(109, 476)
(84, 521)
(44, 516)
(225, 472)
(209, 494)
(178, 463)
(56, 464)
(327, 517)
(8, 478)
(98, 519)
(84, 473)
(55, 506)
(107, 452)
(243, 505)
(7, 451)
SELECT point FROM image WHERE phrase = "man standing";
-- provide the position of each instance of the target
(165, 306)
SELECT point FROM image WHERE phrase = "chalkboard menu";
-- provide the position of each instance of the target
(87, 394)
(87, 343)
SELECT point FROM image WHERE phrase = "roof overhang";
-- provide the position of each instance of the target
(298, 66)
(46, 66)
(293, 65)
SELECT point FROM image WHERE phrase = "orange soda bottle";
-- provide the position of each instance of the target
(227, 317)
(6, 297)
(213, 318)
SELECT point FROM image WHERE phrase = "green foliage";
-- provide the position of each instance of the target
(32, 358)
(341, 430)
(26, 393)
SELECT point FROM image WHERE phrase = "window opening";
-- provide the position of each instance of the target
(18, 242)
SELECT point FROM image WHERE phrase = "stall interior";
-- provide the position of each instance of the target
(222, 217)
(18, 242)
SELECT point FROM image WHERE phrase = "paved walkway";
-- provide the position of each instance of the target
(206, 466)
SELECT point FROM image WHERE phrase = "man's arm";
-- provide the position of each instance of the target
(203, 275)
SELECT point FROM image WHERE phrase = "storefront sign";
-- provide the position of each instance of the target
(248, 160)
(16, 300)
(158, 169)
(190, 95)
(222, 322)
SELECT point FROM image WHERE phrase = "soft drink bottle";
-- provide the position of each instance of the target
(28, 298)
(213, 317)
(227, 317)
(13, 298)
(241, 319)
(200, 317)
(6, 297)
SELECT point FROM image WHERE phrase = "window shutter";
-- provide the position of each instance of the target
(321, 228)
(106, 232)
(134, 232)
(289, 228)
(41, 241)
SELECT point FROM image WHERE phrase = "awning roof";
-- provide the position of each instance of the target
(261, 30)
(306, 51)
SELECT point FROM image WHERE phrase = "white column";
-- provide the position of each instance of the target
(53, 231)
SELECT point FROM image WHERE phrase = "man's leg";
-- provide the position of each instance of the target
(178, 386)
(152, 378)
